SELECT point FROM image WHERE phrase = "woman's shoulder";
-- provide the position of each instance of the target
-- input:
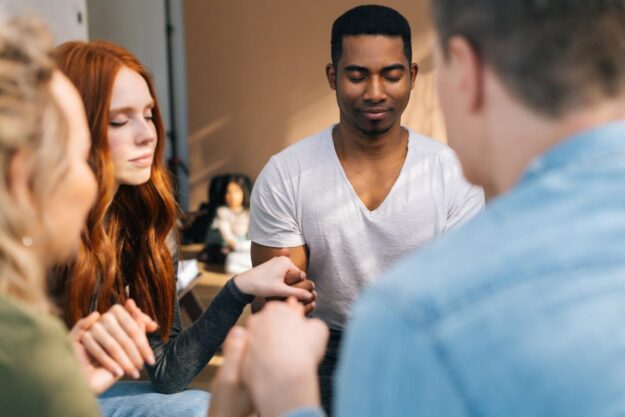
(38, 370)
(19, 323)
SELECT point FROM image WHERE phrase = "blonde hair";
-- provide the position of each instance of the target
(32, 121)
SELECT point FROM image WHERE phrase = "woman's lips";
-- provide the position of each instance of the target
(142, 161)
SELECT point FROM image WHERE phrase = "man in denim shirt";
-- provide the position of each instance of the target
(521, 312)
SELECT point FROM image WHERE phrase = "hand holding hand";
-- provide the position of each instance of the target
(98, 377)
(283, 352)
(272, 278)
(306, 284)
(116, 340)
(229, 397)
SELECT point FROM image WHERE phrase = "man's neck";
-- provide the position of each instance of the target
(525, 137)
(353, 145)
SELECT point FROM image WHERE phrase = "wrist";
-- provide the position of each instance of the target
(243, 283)
(295, 391)
(233, 289)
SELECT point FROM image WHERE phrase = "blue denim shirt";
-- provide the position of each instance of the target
(521, 312)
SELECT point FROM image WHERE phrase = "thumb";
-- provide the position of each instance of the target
(284, 252)
(140, 317)
(234, 349)
(86, 322)
(293, 276)
(83, 325)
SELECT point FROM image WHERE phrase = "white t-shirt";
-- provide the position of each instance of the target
(303, 197)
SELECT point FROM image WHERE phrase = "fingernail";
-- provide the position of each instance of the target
(236, 333)
(119, 372)
(151, 360)
(136, 374)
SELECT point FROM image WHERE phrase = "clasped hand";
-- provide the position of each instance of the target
(270, 366)
(278, 278)
(112, 344)
(115, 343)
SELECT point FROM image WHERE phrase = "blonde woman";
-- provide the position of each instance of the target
(46, 190)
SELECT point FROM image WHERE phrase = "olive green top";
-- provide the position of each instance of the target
(39, 375)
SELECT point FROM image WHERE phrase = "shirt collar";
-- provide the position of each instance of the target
(604, 141)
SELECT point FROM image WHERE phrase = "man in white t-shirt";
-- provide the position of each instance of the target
(351, 200)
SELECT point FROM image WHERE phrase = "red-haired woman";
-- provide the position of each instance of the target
(128, 250)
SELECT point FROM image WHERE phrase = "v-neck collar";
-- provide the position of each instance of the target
(402, 174)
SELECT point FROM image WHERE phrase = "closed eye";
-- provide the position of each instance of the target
(394, 74)
(148, 113)
(118, 123)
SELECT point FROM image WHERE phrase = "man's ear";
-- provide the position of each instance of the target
(414, 70)
(331, 76)
(468, 72)
(20, 178)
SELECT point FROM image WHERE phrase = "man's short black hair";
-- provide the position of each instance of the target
(554, 55)
(369, 19)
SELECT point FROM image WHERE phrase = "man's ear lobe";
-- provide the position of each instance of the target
(469, 71)
(331, 76)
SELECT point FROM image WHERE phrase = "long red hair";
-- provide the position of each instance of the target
(126, 241)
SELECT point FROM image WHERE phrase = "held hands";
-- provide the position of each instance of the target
(278, 277)
(113, 344)
(229, 397)
(274, 362)
(98, 377)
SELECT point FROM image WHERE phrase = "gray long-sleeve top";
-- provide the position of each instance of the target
(188, 351)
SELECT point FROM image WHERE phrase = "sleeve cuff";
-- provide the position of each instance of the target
(272, 242)
(239, 295)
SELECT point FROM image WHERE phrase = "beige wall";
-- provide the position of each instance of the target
(257, 84)
(67, 19)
